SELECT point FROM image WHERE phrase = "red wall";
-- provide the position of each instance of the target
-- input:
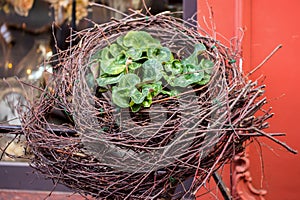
(268, 23)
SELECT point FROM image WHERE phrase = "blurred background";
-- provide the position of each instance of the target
(30, 33)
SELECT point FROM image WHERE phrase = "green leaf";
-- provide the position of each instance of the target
(193, 58)
(199, 48)
(102, 90)
(193, 73)
(148, 101)
(168, 67)
(168, 78)
(134, 65)
(134, 53)
(194, 78)
(138, 97)
(135, 107)
(170, 93)
(140, 39)
(121, 59)
(152, 52)
(163, 54)
(104, 65)
(115, 49)
(120, 96)
(129, 81)
(184, 80)
(153, 88)
(189, 74)
(120, 40)
(103, 81)
(112, 68)
(151, 70)
(181, 81)
(105, 54)
(96, 56)
(207, 65)
(205, 80)
(175, 67)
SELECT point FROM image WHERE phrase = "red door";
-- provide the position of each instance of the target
(266, 24)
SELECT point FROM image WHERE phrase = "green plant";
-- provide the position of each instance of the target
(136, 65)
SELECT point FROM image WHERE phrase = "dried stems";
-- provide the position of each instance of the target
(117, 154)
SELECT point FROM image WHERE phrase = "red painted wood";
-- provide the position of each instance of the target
(224, 23)
(268, 23)
(275, 22)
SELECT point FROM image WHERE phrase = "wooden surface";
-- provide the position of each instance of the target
(274, 22)
(37, 195)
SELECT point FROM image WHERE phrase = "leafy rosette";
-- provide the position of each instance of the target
(137, 68)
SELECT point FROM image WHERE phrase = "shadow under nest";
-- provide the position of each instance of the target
(115, 153)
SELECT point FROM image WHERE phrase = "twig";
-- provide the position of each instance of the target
(6, 147)
(276, 140)
(107, 7)
(264, 61)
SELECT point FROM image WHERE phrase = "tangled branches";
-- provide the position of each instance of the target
(110, 152)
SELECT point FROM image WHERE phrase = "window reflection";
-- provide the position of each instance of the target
(27, 30)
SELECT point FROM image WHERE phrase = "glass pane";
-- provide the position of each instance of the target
(26, 40)
(25, 43)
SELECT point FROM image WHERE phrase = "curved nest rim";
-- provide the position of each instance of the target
(63, 157)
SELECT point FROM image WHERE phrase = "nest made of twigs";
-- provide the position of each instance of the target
(113, 153)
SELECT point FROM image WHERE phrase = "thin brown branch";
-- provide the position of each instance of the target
(264, 61)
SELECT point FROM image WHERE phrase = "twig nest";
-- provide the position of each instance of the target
(148, 102)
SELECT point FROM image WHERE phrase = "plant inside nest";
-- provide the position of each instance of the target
(137, 68)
